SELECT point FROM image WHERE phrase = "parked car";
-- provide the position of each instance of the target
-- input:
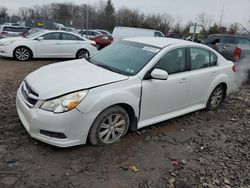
(130, 84)
(232, 47)
(12, 31)
(235, 48)
(69, 29)
(102, 41)
(47, 44)
(126, 32)
(89, 33)
(105, 32)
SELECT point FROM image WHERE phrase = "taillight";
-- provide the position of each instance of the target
(237, 53)
(234, 68)
(4, 33)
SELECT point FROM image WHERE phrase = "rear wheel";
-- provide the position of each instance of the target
(82, 53)
(22, 53)
(109, 126)
(216, 98)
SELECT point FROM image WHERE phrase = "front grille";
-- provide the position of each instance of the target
(30, 96)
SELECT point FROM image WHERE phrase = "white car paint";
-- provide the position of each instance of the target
(152, 100)
(120, 32)
(47, 48)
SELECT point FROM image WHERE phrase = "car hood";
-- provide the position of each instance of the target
(60, 78)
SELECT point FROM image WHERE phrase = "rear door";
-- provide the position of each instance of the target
(70, 44)
(203, 71)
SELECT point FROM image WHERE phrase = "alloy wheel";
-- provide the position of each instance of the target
(112, 128)
(216, 97)
(82, 54)
(22, 54)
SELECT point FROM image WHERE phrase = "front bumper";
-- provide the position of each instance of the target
(73, 124)
(6, 51)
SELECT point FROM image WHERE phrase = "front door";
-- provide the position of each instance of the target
(160, 97)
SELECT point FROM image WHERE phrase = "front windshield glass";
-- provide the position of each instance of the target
(125, 57)
(34, 35)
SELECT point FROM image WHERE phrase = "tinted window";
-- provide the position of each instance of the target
(213, 40)
(13, 29)
(173, 61)
(213, 59)
(158, 34)
(199, 58)
(229, 39)
(66, 36)
(243, 41)
(51, 36)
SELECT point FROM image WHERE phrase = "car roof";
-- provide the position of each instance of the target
(160, 42)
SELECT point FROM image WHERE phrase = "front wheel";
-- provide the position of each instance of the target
(22, 54)
(216, 98)
(109, 126)
(82, 53)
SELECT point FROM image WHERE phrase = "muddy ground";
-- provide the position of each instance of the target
(201, 149)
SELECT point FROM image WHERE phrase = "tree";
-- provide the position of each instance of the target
(110, 15)
(233, 29)
(3, 12)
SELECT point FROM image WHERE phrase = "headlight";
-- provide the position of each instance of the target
(6, 43)
(64, 103)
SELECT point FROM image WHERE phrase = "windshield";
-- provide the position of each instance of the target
(125, 57)
(34, 35)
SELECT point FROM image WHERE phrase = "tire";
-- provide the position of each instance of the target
(109, 126)
(216, 97)
(98, 46)
(82, 53)
(22, 53)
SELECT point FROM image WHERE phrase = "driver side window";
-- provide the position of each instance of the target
(173, 61)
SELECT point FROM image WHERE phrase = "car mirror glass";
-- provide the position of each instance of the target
(159, 74)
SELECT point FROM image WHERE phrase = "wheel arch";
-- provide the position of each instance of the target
(82, 49)
(32, 53)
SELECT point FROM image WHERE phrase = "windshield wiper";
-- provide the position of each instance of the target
(107, 67)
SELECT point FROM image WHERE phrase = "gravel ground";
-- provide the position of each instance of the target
(201, 149)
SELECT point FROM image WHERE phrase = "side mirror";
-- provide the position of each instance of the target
(159, 74)
(40, 38)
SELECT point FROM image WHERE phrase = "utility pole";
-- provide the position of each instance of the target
(193, 37)
(222, 14)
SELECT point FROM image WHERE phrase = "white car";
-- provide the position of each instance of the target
(47, 44)
(130, 84)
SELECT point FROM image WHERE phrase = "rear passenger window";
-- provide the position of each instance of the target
(202, 58)
(51, 36)
(66, 36)
(173, 61)
(243, 41)
(213, 59)
(229, 39)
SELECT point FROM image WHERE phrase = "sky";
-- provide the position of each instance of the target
(183, 10)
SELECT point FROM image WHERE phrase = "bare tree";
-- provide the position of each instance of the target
(3, 12)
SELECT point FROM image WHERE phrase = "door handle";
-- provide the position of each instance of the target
(183, 80)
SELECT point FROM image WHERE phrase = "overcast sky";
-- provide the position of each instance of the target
(234, 10)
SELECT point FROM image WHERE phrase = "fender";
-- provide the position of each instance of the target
(105, 96)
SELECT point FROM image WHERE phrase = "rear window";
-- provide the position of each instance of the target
(213, 40)
(243, 41)
(229, 39)
(13, 29)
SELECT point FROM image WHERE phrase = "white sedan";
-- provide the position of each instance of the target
(47, 44)
(130, 84)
